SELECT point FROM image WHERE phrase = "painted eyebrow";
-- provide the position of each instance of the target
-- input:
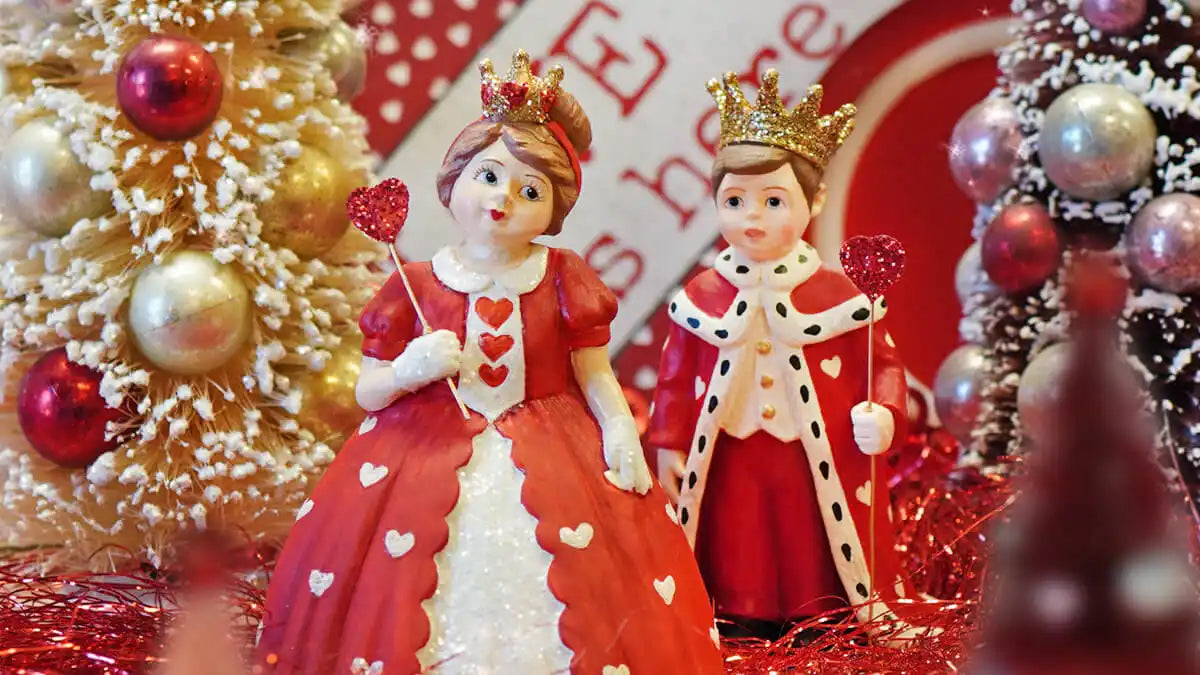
(776, 187)
(492, 160)
(536, 178)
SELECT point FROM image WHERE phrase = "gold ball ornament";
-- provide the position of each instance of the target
(340, 49)
(307, 213)
(43, 185)
(329, 408)
(190, 314)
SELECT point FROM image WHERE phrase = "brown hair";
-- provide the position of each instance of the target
(532, 144)
(756, 159)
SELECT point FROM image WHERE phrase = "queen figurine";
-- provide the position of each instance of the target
(529, 538)
(761, 420)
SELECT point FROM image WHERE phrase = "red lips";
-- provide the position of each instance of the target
(755, 233)
(496, 214)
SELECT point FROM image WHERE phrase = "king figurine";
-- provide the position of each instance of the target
(761, 418)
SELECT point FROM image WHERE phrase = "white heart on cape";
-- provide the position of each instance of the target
(887, 337)
(699, 388)
(319, 582)
(398, 544)
(579, 537)
(359, 666)
(367, 425)
(832, 366)
(369, 474)
(304, 509)
(616, 670)
(863, 493)
(666, 588)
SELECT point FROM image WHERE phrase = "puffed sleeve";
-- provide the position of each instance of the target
(587, 305)
(388, 321)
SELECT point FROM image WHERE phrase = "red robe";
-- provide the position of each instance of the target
(781, 528)
(363, 557)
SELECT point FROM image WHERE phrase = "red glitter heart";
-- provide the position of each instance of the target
(874, 264)
(486, 92)
(380, 211)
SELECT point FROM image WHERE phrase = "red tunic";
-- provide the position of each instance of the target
(784, 528)
(618, 608)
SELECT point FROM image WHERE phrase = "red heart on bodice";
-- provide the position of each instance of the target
(380, 211)
(874, 264)
(494, 312)
(494, 377)
(495, 346)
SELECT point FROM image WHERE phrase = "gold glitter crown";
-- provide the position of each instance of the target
(801, 130)
(523, 96)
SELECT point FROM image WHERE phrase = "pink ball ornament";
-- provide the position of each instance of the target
(1163, 243)
(169, 87)
(1114, 17)
(984, 149)
(1020, 248)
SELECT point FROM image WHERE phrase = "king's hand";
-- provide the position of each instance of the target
(874, 427)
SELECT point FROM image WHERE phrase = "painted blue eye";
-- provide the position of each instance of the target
(530, 193)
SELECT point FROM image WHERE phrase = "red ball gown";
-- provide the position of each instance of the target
(493, 545)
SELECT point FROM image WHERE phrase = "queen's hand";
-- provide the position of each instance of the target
(874, 427)
(627, 468)
(429, 358)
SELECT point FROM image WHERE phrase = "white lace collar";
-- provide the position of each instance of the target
(521, 279)
(784, 273)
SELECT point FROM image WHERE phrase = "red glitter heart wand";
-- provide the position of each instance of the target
(874, 264)
(380, 213)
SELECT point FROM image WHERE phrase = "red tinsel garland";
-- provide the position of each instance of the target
(87, 623)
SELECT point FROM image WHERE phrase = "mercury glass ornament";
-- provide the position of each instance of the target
(43, 185)
(307, 213)
(329, 408)
(1163, 243)
(339, 48)
(190, 314)
(984, 149)
(958, 390)
(1039, 394)
(1097, 141)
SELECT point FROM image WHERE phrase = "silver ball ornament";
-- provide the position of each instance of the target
(970, 279)
(958, 390)
(1039, 394)
(1097, 141)
(190, 314)
(43, 184)
(984, 149)
(1163, 243)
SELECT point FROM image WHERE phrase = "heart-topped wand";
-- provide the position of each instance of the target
(380, 213)
(874, 264)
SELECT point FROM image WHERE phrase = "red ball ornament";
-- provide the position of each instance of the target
(1021, 248)
(169, 87)
(62, 413)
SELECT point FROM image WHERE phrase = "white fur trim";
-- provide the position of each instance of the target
(784, 273)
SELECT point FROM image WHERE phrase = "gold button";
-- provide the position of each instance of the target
(767, 381)
(763, 347)
(768, 412)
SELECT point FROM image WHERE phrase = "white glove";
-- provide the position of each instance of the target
(671, 467)
(874, 427)
(627, 468)
(429, 358)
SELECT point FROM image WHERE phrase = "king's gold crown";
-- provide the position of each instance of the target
(801, 130)
(522, 96)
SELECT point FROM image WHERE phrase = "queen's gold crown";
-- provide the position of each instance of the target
(522, 96)
(801, 130)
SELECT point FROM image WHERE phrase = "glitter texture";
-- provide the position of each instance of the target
(381, 211)
(801, 130)
(523, 96)
(874, 264)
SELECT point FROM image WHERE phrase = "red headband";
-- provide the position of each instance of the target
(559, 134)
